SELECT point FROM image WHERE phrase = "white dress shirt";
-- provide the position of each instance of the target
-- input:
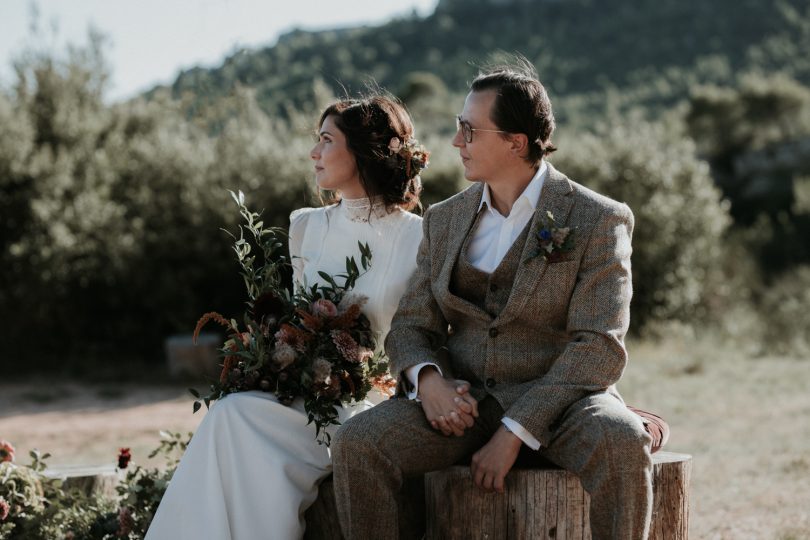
(492, 238)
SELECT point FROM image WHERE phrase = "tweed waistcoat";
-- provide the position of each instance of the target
(489, 292)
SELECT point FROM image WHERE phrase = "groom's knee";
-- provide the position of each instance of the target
(347, 438)
(379, 430)
(358, 435)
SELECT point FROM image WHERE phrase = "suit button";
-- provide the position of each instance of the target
(490, 383)
(493, 287)
(493, 332)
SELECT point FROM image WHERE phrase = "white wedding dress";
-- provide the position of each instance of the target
(253, 466)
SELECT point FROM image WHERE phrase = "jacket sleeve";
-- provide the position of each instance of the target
(418, 329)
(597, 321)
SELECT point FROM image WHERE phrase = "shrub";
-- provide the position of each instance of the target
(111, 214)
(785, 315)
(680, 218)
(36, 507)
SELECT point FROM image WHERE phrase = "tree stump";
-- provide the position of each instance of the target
(545, 503)
(89, 480)
(322, 518)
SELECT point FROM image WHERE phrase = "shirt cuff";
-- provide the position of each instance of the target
(412, 373)
(521, 433)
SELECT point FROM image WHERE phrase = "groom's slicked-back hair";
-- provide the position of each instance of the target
(521, 104)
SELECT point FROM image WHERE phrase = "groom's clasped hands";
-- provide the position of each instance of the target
(449, 408)
(448, 405)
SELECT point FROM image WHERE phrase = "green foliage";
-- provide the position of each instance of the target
(784, 303)
(142, 489)
(756, 137)
(111, 214)
(267, 276)
(647, 53)
(680, 219)
(21, 488)
(42, 509)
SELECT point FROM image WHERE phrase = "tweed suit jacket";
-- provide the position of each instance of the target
(560, 336)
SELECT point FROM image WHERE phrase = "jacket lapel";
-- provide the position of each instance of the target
(555, 198)
(460, 224)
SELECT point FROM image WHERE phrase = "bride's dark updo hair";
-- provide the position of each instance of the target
(369, 125)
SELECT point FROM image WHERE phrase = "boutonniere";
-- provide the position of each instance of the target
(553, 241)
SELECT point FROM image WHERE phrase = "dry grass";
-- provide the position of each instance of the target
(745, 421)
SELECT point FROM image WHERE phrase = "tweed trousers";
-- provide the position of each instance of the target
(598, 439)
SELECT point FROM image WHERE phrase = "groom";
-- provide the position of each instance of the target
(530, 309)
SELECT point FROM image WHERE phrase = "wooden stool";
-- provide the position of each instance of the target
(545, 503)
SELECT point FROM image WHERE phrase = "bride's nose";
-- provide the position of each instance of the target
(315, 153)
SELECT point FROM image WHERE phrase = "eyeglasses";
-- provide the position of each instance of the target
(467, 129)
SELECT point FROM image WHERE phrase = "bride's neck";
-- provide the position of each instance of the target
(364, 209)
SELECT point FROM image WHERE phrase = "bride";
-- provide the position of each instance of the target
(253, 466)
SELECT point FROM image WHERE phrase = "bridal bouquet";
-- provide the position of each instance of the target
(314, 343)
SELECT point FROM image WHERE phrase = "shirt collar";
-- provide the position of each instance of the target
(531, 194)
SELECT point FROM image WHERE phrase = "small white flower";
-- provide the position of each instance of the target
(394, 145)
(350, 299)
(283, 355)
(321, 370)
(559, 235)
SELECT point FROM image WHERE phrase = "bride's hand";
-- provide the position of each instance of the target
(447, 404)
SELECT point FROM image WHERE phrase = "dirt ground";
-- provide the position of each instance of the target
(745, 420)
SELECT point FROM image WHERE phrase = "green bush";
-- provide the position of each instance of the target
(680, 218)
(111, 215)
(34, 506)
(785, 315)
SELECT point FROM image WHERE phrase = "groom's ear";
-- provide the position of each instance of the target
(519, 144)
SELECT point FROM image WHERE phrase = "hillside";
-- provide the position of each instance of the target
(656, 50)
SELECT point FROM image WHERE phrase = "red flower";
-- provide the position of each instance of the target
(124, 456)
(4, 509)
(6, 451)
(346, 345)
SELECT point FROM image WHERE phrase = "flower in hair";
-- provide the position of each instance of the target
(410, 155)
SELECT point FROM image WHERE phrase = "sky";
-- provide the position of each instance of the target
(151, 41)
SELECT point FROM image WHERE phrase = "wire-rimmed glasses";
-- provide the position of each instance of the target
(467, 129)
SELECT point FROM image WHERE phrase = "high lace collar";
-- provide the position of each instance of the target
(360, 210)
